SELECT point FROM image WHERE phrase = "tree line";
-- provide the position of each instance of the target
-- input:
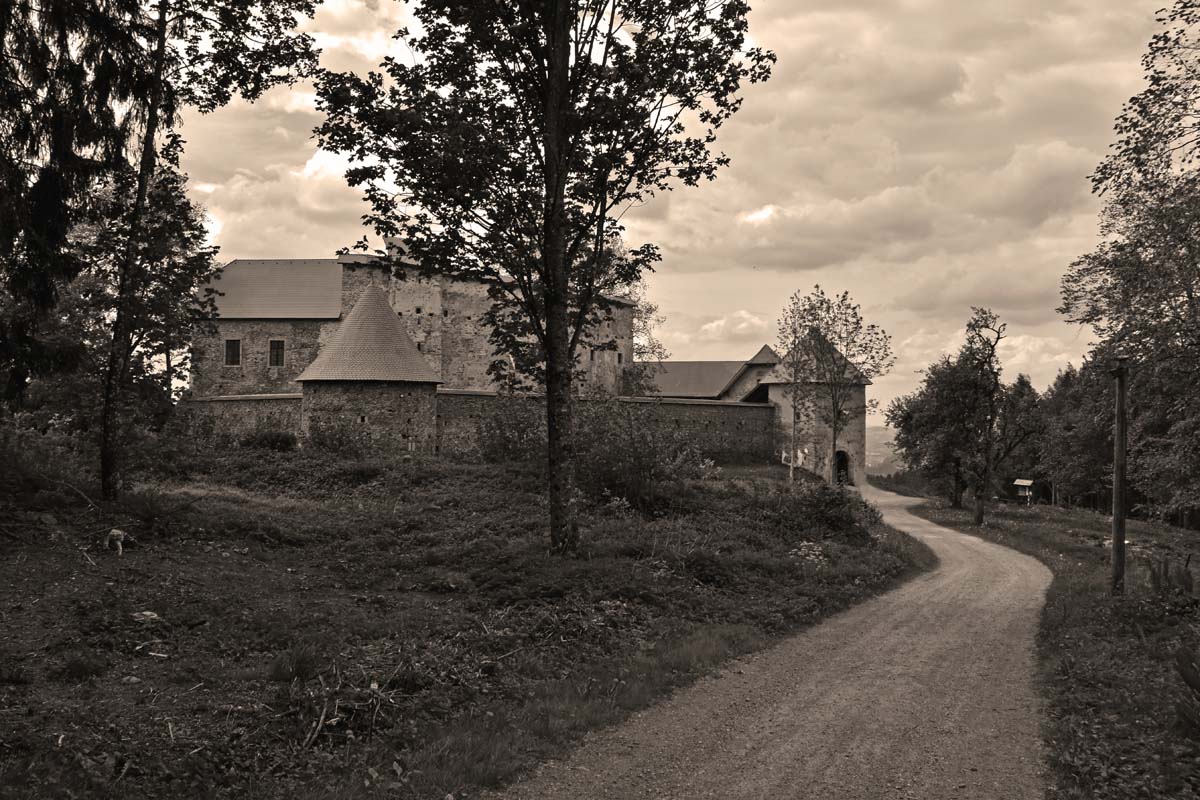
(1139, 293)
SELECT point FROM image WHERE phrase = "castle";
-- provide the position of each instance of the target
(402, 360)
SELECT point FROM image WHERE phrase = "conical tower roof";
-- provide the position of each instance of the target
(371, 344)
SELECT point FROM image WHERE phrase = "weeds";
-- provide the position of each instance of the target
(330, 626)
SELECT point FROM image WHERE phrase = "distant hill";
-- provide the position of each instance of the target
(880, 458)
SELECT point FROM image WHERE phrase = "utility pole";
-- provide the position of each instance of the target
(1121, 372)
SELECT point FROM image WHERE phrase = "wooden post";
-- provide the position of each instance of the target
(1121, 372)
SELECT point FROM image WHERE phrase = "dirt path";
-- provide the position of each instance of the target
(923, 693)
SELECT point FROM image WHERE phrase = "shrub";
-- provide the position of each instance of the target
(337, 439)
(621, 454)
(821, 510)
(512, 429)
(266, 439)
(35, 460)
(153, 510)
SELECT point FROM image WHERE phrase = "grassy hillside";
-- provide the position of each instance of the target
(284, 624)
(1107, 664)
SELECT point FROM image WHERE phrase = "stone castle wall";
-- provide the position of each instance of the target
(387, 416)
(443, 316)
(815, 438)
(238, 416)
(301, 340)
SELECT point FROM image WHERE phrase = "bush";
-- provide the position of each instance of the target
(265, 439)
(336, 439)
(43, 461)
(623, 455)
(513, 429)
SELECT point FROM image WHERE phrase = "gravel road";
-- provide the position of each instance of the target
(923, 693)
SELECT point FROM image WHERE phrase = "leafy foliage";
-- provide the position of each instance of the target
(964, 428)
(1138, 289)
(827, 353)
(510, 145)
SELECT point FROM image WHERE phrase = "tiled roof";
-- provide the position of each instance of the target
(370, 344)
(765, 355)
(694, 378)
(305, 288)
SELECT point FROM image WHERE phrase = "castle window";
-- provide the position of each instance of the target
(420, 347)
(233, 352)
(620, 358)
(592, 355)
(445, 313)
(418, 309)
(275, 353)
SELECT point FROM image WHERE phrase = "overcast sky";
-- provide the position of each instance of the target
(926, 155)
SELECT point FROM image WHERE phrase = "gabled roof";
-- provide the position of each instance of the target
(765, 355)
(853, 374)
(280, 288)
(697, 379)
(371, 344)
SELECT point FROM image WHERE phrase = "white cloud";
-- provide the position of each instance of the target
(761, 215)
(738, 326)
(927, 156)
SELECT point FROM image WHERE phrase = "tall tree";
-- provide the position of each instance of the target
(1139, 289)
(831, 353)
(983, 397)
(70, 72)
(510, 145)
(174, 263)
(201, 53)
(1077, 429)
(963, 423)
(931, 425)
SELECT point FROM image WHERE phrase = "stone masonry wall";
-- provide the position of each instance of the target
(236, 418)
(815, 437)
(443, 316)
(728, 433)
(301, 339)
(387, 416)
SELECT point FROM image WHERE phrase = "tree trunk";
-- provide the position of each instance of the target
(977, 517)
(560, 457)
(833, 451)
(792, 455)
(119, 348)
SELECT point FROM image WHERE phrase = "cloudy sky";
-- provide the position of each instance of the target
(926, 155)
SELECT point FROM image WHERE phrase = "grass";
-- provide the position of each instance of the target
(334, 627)
(1106, 665)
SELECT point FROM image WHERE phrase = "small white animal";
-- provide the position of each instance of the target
(118, 536)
